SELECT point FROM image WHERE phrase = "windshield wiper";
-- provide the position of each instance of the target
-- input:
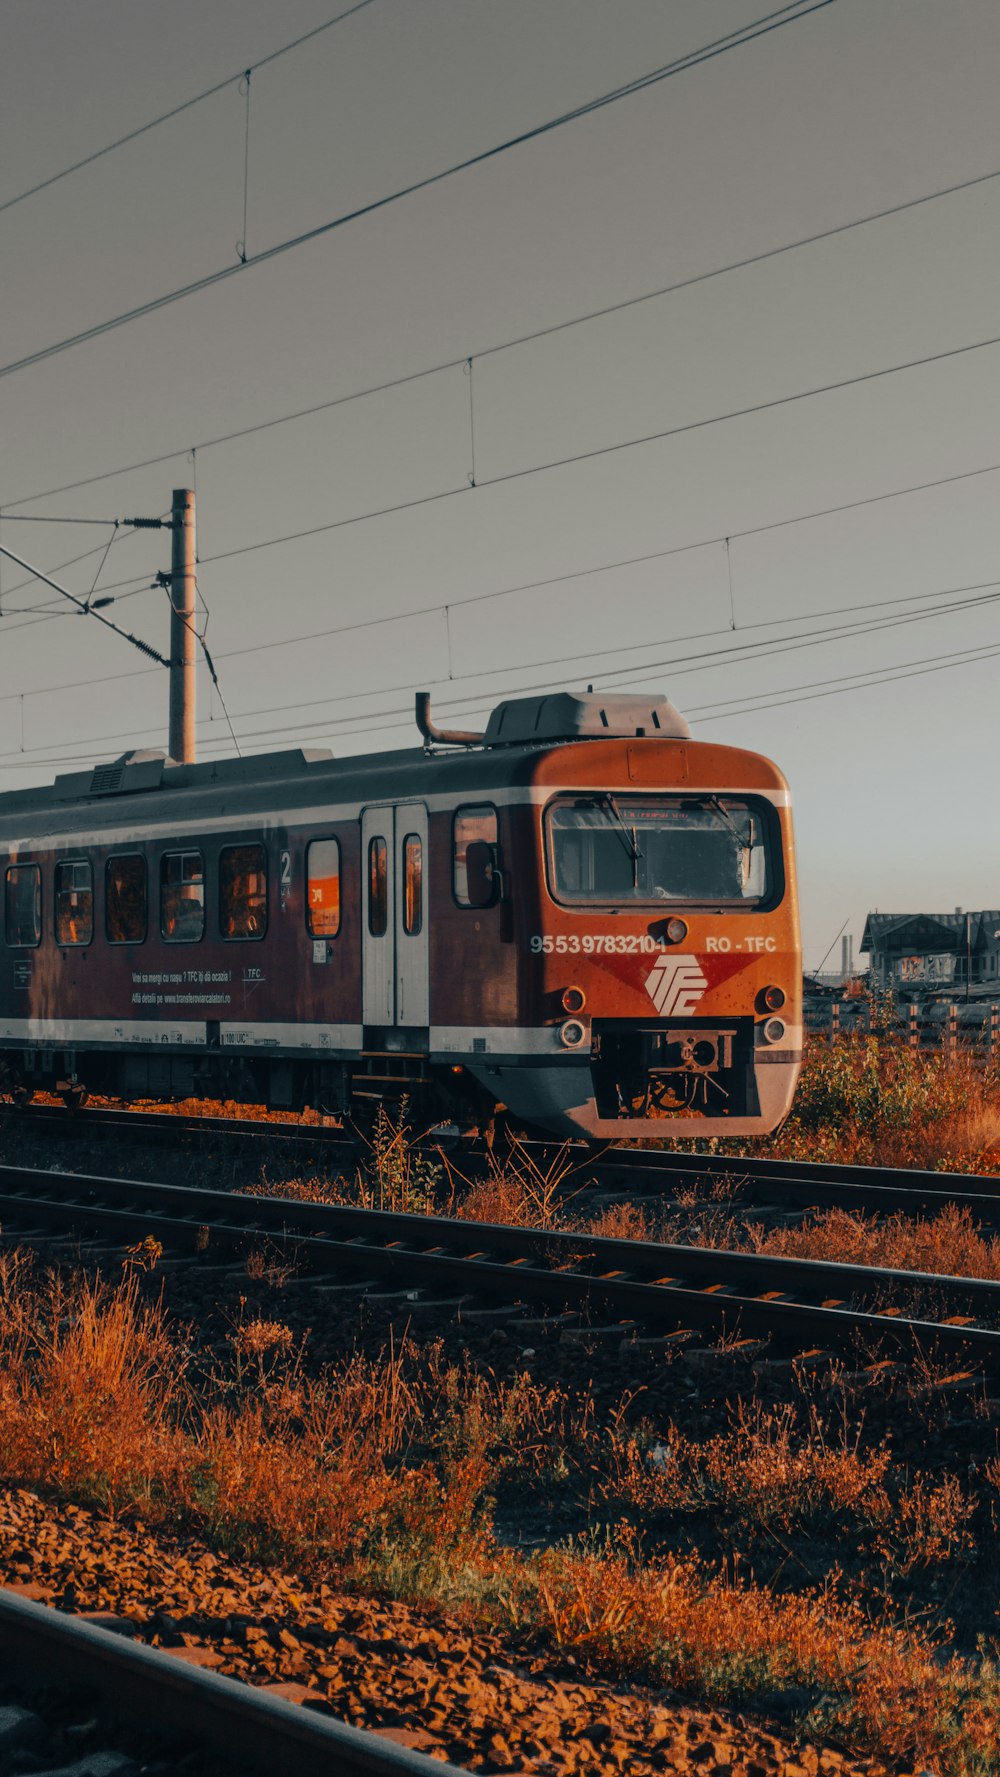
(625, 834)
(740, 838)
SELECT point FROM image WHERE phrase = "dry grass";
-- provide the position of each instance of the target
(518, 1189)
(381, 1471)
(717, 1636)
(873, 1101)
(621, 1221)
(948, 1243)
(769, 1473)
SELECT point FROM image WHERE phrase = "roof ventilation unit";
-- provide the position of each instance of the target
(127, 776)
(562, 715)
(584, 715)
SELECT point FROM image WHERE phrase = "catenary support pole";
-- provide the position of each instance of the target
(182, 628)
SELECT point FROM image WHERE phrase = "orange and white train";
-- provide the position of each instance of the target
(582, 914)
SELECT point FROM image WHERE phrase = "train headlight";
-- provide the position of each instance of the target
(574, 999)
(573, 1033)
(676, 931)
(773, 998)
(774, 1030)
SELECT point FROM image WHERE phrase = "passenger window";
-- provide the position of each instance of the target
(413, 885)
(24, 905)
(475, 822)
(182, 897)
(323, 888)
(378, 899)
(243, 891)
(74, 888)
(125, 899)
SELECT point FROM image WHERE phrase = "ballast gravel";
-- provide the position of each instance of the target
(422, 1681)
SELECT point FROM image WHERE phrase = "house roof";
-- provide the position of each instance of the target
(930, 933)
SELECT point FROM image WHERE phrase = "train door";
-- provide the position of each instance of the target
(395, 932)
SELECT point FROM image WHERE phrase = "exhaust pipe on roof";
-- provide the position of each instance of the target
(445, 737)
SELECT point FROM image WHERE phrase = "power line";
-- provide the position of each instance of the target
(604, 450)
(44, 613)
(86, 608)
(762, 27)
(738, 413)
(560, 579)
(749, 700)
(166, 116)
(54, 518)
(677, 665)
(510, 344)
(914, 669)
(122, 536)
(376, 722)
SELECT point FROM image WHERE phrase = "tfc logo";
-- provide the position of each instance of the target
(675, 984)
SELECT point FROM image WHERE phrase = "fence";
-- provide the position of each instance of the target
(971, 1027)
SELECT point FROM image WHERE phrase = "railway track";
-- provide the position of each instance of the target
(636, 1172)
(193, 1710)
(878, 1190)
(621, 1288)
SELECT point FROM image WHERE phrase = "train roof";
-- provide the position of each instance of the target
(147, 787)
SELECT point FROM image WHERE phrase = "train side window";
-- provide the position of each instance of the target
(243, 891)
(24, 905)
(477, 821)
(378, 888)
(413, 884)
(74, 900)
(323, 888)
(125, 915)
(182, 897)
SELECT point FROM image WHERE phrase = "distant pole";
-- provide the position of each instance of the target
(182, 630)
(968, 957)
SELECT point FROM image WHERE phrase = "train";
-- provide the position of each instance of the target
(580, 918)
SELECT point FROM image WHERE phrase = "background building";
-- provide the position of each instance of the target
(936, 951)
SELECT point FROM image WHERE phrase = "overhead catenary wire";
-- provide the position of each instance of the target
(679, 665)
(506, 345)
(748, 701)
(452, 492)
(481, 697)
(121, 535)
(458, 602)
(914, 669)
(56, 518)
(46, 612)
(86, 609)
(757, 28)
(604, 450)
(153, 123)
(381, 722)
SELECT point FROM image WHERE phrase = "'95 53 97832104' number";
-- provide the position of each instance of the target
(594, 943)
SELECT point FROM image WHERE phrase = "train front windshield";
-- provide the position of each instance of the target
(617, 850)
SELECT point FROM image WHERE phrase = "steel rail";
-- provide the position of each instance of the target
(718, 1291)
(241, 1723)
(867, 1189)
(661, 1172)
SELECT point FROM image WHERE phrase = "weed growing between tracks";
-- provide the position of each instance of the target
(382, 1470)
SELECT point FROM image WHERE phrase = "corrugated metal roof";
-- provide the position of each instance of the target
(928, 931)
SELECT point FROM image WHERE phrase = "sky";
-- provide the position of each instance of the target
(595, 504)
